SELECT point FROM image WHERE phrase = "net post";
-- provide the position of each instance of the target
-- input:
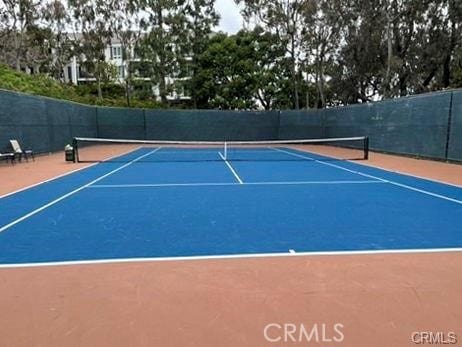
(75, 149)
(225, 150)
(366, 148)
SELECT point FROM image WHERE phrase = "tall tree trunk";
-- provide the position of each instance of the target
(307, 97)
(322, 97)
(17, 46)
(193, 89)
(162, 77)
(162, 85)
(17, 43)
(127, 91)
(387, 84)
(127, 82)
(294, 73)
(100, 92)
(403, 84)
(266, 104)
(428, 79)
(316, 81)
(446, 78)
(320, 73)
(194, 66)
(98, 81)
(295, 83)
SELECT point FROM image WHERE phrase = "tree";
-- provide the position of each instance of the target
(357, 69)
(126, 23)
(56, 20)
(322, 42)
(200, 17)
(440, 43)
(284, 18)
(17, 19)
(93, 33)
(162, 42)
(247, 70)
(268, 69)
(224, 75)
(454, 25)
(406, 29)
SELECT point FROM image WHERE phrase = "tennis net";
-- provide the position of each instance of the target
(121, 150)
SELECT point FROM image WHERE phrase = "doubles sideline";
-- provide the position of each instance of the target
(34, 212)
(405, 186)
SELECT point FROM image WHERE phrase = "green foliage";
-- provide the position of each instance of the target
(300, 53)
(224, 75)
(236, 72)
(92, 21)
(86, 94)
(199, 18)
(288, 20)
(159, 46)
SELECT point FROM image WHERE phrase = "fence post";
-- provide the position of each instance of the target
(448, 133)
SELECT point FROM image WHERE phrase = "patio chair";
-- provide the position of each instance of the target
(7, 156)
(20, 153)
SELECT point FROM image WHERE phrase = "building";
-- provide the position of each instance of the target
(75, 73)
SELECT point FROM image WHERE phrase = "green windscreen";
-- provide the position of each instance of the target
(122, 123)
(455, 133)
(427, 125)
(211, 125)
(301, 124)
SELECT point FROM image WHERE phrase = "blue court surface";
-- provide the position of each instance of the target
(177, 206)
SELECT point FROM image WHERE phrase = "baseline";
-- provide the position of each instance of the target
(233, 256)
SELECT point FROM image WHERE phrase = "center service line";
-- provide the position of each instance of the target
(231, 168)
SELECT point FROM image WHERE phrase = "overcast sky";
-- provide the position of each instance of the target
(231, 20)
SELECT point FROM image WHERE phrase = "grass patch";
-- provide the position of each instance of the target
(43, 85)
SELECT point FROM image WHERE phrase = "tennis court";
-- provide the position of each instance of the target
(170, 202)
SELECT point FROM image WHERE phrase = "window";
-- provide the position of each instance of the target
(186, 91)
(187, 71)
(121, 71)
(183, 91)
(116, 52)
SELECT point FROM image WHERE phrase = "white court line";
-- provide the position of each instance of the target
(229, 184)
(413, 175)
(65, 174)
(30, 214)
(47, 180)
(232, 256)
(373, 177)
(167, 150)
(231, 168)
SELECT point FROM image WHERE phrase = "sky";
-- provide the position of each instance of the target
(231, 20)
